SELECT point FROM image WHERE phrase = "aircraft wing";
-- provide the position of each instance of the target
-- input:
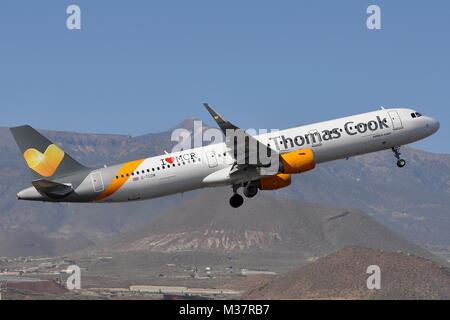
(246, 149)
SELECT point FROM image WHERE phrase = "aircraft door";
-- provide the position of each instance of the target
(212, 159)
(396, 121)
(97, 181)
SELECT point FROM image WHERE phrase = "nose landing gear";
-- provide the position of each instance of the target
(400, 162)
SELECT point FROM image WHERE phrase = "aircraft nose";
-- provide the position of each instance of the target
(431, 124)
(435, 125)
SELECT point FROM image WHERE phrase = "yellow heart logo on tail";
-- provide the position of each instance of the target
(45, 163)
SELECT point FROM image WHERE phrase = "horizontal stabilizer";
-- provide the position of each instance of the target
(52, 189)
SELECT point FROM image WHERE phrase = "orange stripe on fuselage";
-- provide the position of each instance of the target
(116, 184)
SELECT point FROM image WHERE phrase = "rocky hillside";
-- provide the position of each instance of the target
(270, 225)
(414, 201)
(342, 275)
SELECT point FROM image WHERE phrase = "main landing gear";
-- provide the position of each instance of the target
(400, 162)
(250, 190)
(236, 200)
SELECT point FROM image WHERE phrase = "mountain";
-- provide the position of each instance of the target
(342, 275)
(23, 242)
(414, 201)
(204, 233)
(271, 225)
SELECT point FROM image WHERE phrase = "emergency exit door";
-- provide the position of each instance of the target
(396, 121)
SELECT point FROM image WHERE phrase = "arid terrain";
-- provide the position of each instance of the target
(342, 275)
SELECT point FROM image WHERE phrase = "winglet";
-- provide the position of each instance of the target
(244, 147)
(223, 124)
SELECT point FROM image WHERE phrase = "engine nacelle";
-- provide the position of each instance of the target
(292, 162)
(275, 182)
(297, 161)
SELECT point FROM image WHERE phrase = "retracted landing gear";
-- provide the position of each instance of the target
(400, 162)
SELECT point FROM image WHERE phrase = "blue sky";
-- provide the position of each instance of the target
(143, 66)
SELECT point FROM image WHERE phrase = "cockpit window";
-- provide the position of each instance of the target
(413, 115)
(418, 114)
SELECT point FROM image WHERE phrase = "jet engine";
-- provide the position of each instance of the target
(292, 162)
(297, 161)
(275, 182)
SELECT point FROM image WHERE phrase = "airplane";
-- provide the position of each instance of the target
(60, 178)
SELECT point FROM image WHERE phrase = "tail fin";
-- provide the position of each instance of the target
(45, 159)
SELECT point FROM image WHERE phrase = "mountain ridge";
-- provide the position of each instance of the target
(371, 183)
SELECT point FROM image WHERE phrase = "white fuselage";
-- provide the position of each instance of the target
(209, 165)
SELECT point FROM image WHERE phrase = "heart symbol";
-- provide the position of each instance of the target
(45, 163)
(170, 160)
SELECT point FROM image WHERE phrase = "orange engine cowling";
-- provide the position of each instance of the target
(277, 181)
(297, 161)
